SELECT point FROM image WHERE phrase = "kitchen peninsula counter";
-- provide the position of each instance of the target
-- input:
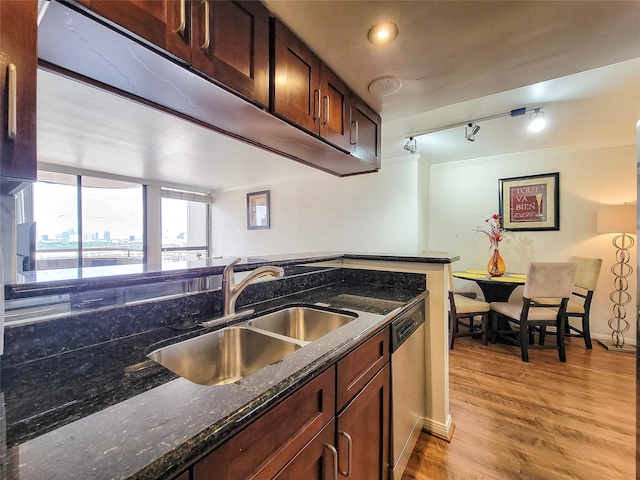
(138, 420)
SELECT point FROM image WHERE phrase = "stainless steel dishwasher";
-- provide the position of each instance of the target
(407, 385)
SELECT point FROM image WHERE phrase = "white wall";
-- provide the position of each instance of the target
(319, 212)
(463, 194)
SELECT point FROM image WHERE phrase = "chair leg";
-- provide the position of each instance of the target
(452, 330)
(493, 320)
(524, 341)
(543, 332)
(586, 331)
(561, 350)
(485, 326)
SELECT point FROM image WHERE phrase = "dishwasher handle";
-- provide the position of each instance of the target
(403, 327)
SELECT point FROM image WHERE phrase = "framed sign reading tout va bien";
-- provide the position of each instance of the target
(531, 202)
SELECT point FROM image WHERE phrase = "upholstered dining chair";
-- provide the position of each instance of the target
(550, 284)
(463, 308)
(580, 302)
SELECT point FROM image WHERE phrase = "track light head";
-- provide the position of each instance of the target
(470, 131)
(536, 121)
(411, 146)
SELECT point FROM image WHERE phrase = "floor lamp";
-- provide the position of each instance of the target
(620, 219)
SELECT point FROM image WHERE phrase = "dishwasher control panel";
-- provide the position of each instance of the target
(406, 324)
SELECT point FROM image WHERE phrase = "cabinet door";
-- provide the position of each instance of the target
(18, 60)
(335, 109)
(263, 448)
(296, 82)
(363, 432)
(357, 368)
(317, 461)
(231, 45)
(366, 132)
(164, 23)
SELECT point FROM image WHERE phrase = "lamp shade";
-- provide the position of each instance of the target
(617, 219)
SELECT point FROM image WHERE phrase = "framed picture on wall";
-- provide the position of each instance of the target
(531, 202)
(258, 215)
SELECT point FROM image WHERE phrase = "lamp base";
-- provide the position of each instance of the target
(626, 348)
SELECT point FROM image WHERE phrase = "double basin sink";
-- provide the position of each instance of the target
(229, 354)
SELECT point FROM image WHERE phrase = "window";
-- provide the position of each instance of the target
(185, 225)
(55, 211)
(97, 220)
(112, 222)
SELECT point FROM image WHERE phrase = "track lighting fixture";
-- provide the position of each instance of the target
(536, 124)
(470, 131)
(411, 146)
(536, 121)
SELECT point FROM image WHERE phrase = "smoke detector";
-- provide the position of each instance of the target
(385, 85)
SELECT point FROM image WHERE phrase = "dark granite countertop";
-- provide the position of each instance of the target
(168, 422)
(63, 281)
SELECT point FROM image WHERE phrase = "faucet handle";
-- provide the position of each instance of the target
(227, 273)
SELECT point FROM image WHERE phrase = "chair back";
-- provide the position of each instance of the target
(588, 272)
(550, 279)
(450, 272)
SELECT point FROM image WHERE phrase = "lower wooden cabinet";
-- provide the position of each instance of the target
(262, 449)
(317, 461)
(363, 431)
(306, 437)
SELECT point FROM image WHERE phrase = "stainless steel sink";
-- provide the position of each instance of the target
(223, 356)
(301, 323)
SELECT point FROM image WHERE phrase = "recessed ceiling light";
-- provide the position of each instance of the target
(383, 33)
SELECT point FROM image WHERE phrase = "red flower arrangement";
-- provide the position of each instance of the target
(492, 230)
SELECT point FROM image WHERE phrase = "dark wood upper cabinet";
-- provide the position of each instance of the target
(164, 23)
(230, 44)
(366, 125)
(252, 80)
(18, 60)
(335, 109)
(296, 80)
(309, 94)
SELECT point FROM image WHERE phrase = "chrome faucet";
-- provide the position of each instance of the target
(231, 290)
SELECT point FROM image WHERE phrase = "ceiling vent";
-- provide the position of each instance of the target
(385, 86)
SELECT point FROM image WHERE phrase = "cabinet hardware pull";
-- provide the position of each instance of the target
(354, 123)
(325, 112)
(183, 18)
(316, 104)
(207, 31)
(349, 453)
(334, 456)
(12, 104)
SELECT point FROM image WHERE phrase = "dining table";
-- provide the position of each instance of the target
(494, 289)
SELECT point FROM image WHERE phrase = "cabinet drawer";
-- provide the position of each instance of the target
(360, 366)
(268, 444)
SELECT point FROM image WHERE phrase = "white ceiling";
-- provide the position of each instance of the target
(457, 61)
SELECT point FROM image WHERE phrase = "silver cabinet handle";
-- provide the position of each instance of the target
(183, 18)
(12, 104)
(325, 110)
(354, 123)
(349, 453)
(316, 104)
(334, 456)
(207, 31)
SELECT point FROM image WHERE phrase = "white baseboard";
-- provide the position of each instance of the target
(627, 339)
(438, 429)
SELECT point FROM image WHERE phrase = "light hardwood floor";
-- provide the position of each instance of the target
(541, 420)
